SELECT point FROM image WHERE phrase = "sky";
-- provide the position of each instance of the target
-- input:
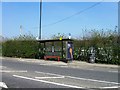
(0, 18)
(26, 14)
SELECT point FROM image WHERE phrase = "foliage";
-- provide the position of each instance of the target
(105, 42)
(25, 37)
(23, 46)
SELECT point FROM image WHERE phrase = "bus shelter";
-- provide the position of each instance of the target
(57, 48)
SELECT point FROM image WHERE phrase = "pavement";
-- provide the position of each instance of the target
(73, 64)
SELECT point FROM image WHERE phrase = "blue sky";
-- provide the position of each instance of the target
(0, 18)
(14, 14)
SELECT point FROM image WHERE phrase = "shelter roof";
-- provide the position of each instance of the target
(54, 40)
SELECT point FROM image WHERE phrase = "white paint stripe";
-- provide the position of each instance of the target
(22, 60)
(8, 71)
(48, 77)
(109, 87)
(50, 74)
(63, 66)
(93, 80)
(3, 85)
(3, 67)
(113, 71)
(47, 82)
(91, 69)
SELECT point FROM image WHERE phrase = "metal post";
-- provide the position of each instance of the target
(40, 19)
(40, 26)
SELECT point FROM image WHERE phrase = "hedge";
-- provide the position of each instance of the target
(20, 48)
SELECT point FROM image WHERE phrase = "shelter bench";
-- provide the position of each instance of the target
(58, 57)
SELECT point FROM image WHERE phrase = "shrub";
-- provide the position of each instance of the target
(20, 47)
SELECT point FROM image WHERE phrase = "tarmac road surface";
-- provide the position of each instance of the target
(20, 74)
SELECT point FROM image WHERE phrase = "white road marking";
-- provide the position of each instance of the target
(113, 71)
(3, 85)
(3, 67)
(10, 71)
(48, 77)
(63, 66)
(22, 60)
(91, 69)
(49, 74)
(93, 80)
(60, 84)
(109, 87)
(48, 64)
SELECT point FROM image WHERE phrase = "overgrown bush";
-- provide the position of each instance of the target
(21, 47)
(105, 43)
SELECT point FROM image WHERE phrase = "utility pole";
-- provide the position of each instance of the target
(40, 28)
(40, 19)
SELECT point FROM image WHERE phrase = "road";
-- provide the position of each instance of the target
(17, 74)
